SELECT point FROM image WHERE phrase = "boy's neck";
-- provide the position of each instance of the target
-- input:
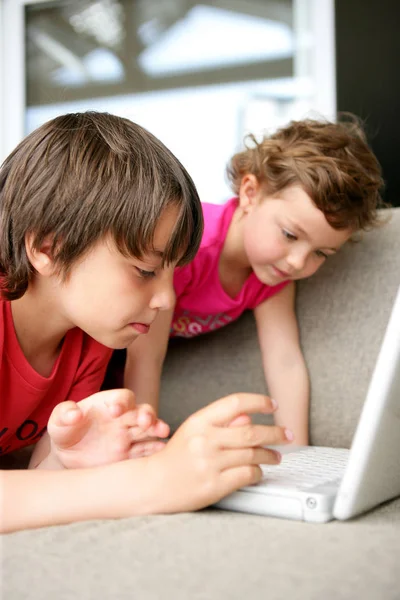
(39, 329)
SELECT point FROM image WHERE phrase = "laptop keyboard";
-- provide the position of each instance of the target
(306, 468)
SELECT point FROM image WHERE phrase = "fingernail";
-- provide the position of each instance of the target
(145, 418)
(70, 414)
(274, 403)
(289, 435)
(278, 455)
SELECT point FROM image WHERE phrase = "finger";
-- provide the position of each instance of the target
(142, 416)
(145, 419)
(146, 448)
(249, 456)
(146, 416)
(240, 420)
(251, 435)
(159, 429)
(235, 478)
(67, 425)
(65, 413)
(119, 401)
(136, 432)
(225, 410)
(113, 402)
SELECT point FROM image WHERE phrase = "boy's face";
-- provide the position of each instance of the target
(287, 237)
(114, 298)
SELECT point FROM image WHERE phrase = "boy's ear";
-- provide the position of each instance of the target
(249, 192)
(40, 259)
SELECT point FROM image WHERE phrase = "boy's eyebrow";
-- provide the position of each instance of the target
(301, 230)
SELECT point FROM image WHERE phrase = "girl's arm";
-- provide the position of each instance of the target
(145, 358)
(284, 365)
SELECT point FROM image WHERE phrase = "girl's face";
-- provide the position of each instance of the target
(285, 236)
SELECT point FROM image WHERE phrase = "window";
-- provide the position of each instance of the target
(197, 75)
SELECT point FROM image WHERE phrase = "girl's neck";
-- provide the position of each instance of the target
(234, 267)
(233, 251)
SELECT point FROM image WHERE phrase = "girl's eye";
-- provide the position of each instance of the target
(145, 274)
(288, 235)
(321, 254)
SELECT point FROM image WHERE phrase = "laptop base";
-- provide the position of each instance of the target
(309, 505)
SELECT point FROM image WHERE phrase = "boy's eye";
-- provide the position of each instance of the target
(321, 254)
(288, 235)
(145, 274)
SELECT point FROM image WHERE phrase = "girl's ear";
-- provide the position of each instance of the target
(249, 192)
(40, 259)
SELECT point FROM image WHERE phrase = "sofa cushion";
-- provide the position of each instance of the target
(209, 555)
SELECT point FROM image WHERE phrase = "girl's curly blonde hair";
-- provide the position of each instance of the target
(331, 161)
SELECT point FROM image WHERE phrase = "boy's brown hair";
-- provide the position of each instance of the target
(331, 161)
(82, 176)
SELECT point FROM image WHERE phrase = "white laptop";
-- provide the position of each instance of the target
(318, 484)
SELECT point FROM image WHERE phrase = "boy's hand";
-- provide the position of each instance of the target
(215, 452)
(104, 428)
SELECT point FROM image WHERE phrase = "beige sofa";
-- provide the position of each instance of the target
(220, 555)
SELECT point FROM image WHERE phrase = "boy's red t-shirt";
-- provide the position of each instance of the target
(26, 398)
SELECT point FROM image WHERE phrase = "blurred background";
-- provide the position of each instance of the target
(202, 75)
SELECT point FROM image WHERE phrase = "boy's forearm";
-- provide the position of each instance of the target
(184, 476)
(40, 498)
(42, 458)
(289, 385)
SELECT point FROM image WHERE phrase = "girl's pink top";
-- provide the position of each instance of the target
(202, 305)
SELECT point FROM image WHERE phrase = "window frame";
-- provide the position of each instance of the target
(13, 68)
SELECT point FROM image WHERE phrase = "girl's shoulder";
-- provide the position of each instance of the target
(217, 218)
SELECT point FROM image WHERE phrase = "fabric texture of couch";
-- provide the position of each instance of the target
(212, 554)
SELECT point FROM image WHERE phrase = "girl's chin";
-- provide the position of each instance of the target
(268, 278)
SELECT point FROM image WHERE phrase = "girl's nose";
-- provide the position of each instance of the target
(297, 260)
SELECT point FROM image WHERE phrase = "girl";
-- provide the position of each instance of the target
(299, 196)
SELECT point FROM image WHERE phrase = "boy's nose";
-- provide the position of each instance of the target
(163, 299)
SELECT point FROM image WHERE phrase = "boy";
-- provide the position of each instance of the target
(95, 213)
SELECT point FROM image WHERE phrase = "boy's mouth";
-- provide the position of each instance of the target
(141, 327)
